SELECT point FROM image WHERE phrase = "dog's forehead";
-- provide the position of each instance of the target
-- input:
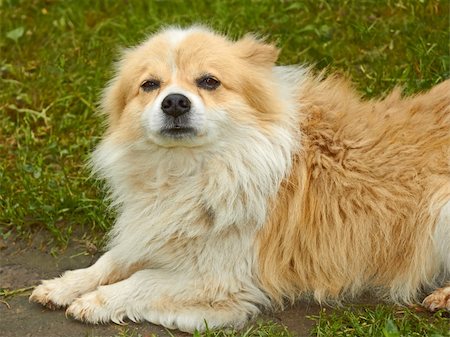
(180, 46)
(175, 36)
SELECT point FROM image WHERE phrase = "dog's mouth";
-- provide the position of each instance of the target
(178, 128)
(179, 131)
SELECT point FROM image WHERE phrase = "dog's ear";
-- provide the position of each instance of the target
(112, 101)
(114, 95)
(256, 51)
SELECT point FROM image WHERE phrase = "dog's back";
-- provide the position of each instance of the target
(373, 177)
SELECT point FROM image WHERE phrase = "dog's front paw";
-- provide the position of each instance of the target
(53, 294)
(93, 308)
(438, 299)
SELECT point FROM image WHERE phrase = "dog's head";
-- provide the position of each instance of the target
(190, 87)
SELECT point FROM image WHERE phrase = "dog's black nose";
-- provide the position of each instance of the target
(175, 105)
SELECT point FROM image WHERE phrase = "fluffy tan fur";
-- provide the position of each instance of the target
(359, 206)
(285, 183)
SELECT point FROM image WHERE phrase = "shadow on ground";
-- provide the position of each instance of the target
(24, 265)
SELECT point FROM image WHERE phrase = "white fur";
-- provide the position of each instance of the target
(175, 36)
(188, 214)
(440, 298)
(219, 256)
(442, 237)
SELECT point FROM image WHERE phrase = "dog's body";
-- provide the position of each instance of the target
(240, 185)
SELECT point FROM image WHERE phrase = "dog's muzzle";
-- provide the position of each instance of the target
(177, 108)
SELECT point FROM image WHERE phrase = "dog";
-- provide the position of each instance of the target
(243, 186)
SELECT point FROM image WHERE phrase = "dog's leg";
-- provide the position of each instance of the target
(61, 291)
(169, 299)
(438, 299)
(442, 237)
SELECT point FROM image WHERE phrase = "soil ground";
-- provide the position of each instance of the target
(23, 265)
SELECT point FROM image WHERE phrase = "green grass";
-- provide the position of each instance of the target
(260, 329)
(382, 320)
(55, 57)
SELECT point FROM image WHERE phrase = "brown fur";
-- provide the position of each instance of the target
(358, 206)
(290, 184)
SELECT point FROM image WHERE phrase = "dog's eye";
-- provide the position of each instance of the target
(149, 85)
(208, 82)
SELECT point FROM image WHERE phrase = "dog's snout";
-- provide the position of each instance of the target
(175, 105)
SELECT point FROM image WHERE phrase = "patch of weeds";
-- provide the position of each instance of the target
(128, 333)
(261, 329)
(13, 292)
(380, 321)
(7, 293)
